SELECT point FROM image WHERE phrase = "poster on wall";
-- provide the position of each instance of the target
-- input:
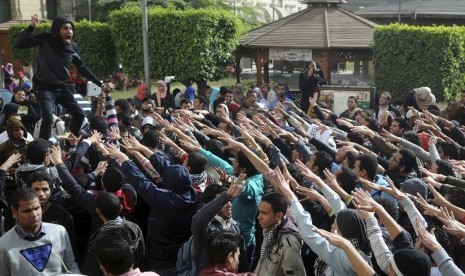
(337, 97)
(290, 54)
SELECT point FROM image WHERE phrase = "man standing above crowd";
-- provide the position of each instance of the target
(55, 55)
(309, 80)
(352, 110)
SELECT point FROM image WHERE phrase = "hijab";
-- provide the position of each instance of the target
(352, 226)
(140, 91)
(161, 93)
(212, 98)
(9, 69)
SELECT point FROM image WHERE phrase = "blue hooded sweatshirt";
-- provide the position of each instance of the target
(173, 204)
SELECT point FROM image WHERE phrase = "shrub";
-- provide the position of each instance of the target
(193, 45)
(406, 57)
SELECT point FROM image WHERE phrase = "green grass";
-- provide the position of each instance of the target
(131, 92)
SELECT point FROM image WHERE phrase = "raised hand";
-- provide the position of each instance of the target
(282, 186)
(451, 225)
(101, 168)
(13, 159)
(309, 193)
(189, 146)
(223, 175)
(333, 238)
(364, 203)
(428, 209)
(55, 155)
(437, 199)
(235, 188)
(427, 239)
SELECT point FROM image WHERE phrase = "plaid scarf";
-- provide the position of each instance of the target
(270, 236)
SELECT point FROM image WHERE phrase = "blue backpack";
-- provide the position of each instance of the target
(185, 262)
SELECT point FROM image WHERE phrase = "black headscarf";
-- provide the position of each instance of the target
(352, 226)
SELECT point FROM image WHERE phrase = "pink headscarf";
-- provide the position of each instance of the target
(161, 92)
(141, 94)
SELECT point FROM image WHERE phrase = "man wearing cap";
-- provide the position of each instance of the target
(55, 55)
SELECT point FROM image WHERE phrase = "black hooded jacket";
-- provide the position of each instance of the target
(54, 57)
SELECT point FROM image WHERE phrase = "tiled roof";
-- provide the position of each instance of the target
(320, 26)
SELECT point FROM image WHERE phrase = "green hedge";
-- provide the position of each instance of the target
(193, 45)
(94, 39)
(406, 57)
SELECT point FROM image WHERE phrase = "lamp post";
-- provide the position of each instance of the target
(145, 43)
(89, 6)
(400, 8)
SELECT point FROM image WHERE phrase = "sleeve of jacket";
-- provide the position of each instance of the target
(331, 255)
(380, 250)
(285, 149)
(3, 202)
(159, 162)
(454, 181)
(321, 146)
(215, 161)
(200, 137)
(204, 215)
(445, 263)
(386, 149)
(419, 152)
(458, 136)
(434, 154)
(154, 196)
(334, 200)
(76, 156)
(317, 111)
(412, 213)
(86, 200)
(26, 39)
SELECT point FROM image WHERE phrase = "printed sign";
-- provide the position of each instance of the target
(290, 54)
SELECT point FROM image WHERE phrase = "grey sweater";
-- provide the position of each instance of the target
(44, 256)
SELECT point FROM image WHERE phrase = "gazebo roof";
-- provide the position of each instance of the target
(322, 25)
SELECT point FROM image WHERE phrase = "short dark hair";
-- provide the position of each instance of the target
(356, 138)
(112, 179)
(214, 146)
(197, 162)
(373, 124)
(224, 90)
(22, 194)
(39, 175)
(352, 97)
(445, 168)
(408, 160)
(351, 158)
(323, 160)
(99, 124)
(150, 139)
(123, 104)
(412, 137)
(401, 121)
(201, 99)
(125, 118)
(369, 164)
(211, 191)
(245, 163)
(456, 196)
(390, 207)
(277, 202)
(114, 255)
(108, 204)
(450, 149)
(347, 179)
(223, 243)
(37, 150)
(183, 101)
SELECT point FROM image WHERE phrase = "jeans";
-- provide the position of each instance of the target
(47, 99)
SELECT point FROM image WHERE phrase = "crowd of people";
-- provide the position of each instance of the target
(234, 181)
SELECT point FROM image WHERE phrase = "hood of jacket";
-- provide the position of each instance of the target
(13, 123)
(57, 23)
(177, 179)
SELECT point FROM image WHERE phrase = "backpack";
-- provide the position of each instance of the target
(185, 262)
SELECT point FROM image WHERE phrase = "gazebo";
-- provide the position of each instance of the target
(333, 34)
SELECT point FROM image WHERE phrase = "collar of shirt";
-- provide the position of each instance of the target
(225, 223)
(30, 237)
